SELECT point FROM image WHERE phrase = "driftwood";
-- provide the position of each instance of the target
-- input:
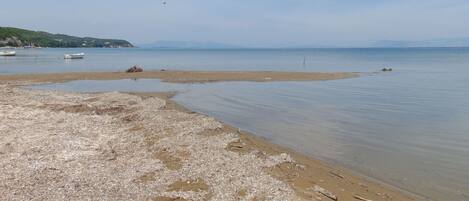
(325, 192)
(336, 174)
(361, 198)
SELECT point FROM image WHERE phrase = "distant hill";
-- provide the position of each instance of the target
(16, 37)
(448, 42)
(187, 45)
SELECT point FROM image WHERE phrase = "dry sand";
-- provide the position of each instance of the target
(142, 146)
(180, 76)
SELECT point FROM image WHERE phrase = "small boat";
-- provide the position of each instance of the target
(74, 56)
(7, 53)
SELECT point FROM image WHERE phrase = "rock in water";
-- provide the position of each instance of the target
(134, 69)
(386, 69)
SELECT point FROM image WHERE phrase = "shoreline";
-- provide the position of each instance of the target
(326, 168)
(303, 173)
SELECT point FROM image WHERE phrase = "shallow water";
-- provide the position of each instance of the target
(409, 128)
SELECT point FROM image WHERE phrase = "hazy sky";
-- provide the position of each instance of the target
(245, 22)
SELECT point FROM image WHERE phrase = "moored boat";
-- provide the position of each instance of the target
(74, 56)
(7, 53)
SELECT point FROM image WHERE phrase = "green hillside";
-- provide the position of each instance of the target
(21, 37)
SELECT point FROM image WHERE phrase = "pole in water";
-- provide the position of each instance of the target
(304, 61)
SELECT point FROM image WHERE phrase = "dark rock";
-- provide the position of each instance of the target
(386, 69)
(134, 69)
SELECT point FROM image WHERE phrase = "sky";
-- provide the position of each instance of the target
(253, 23)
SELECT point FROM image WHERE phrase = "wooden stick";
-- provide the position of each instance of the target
(336, 174)
(361, 198)
(325, 193)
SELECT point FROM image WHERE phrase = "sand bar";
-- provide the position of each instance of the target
(181, 76)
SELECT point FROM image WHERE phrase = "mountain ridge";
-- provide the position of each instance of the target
(442, 42)
(170, 44)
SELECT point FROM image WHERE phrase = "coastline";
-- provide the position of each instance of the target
(301, 173)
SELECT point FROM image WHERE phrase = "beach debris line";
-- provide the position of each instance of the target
(134, 69)
(325, 192)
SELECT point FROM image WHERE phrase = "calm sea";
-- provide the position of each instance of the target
(408, 128)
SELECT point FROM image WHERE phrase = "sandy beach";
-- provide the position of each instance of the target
(143, 146)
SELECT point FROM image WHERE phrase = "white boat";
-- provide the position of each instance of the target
(7, 53)
(74, 56)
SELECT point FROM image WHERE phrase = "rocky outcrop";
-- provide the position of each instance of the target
(11, 41)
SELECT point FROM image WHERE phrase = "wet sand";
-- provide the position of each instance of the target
(181, 76)
(143, 146)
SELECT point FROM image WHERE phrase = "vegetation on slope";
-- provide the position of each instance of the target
(16, 37)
